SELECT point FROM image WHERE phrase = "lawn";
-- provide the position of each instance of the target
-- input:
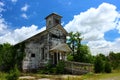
(115, 75)
(102, 76)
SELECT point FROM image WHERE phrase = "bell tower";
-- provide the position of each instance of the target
(53, 20)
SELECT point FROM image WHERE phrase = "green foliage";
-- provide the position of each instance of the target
(20, 54)
(107, 67)
(70, 57)
(50, 69)
(6, 57)
(102, 64)
(98, 64)
(10, 55)
(81, 53)
(13, 74)
(3, 76)
(60, 67)
(72, 41)
(104, 58)
(47, 69)
(114, 59)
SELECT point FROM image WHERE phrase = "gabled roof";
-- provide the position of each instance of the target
(53, 14)
(45, 32)
(61, 48)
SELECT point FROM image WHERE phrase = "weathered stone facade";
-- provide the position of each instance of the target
(37, 48)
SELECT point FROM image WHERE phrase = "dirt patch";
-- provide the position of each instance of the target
(44, 79)
(26, 77)
(113, 78)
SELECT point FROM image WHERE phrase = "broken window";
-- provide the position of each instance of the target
(55, 36)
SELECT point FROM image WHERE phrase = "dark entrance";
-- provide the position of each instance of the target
(55, 58)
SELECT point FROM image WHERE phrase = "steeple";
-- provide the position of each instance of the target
(53, 20)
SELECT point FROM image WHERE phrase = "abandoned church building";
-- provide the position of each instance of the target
(48, 45)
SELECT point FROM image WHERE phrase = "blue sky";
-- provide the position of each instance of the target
(97, 20)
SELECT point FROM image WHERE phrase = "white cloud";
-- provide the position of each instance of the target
(25, 8)
(118, 26)
(103, 46)
(21, 34)
(24, 16)
(17, 35)
(14, 1)
(93, 24)
(3, 26)
(1, 6)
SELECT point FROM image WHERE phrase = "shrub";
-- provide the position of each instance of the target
(13, 74)
(107, 67)
(98, 65)
(70, 57)
(48, 69)
(60, 67)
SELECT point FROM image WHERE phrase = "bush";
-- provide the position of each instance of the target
(60, 67)
(98, 65)
(107, 67)
(48, 69)
(51, 69)
(70, 57)
(13, 74)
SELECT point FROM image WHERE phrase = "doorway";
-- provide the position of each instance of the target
(55, 58)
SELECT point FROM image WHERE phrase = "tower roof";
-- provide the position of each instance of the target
(52, 15)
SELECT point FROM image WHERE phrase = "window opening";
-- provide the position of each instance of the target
(32, 55)
(57, 21)
(43, 53)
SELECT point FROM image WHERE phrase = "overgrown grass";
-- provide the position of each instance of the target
(3, 76)
(115, 75)
(90, 76)
(100, 76)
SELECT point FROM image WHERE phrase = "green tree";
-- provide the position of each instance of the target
(104, 58)
(114, 59)
(11, 55)
(18, 50)
(81, 53)
(70, 57)
(98, 64)
(6, 56)
(72, 41)
(107, 68)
